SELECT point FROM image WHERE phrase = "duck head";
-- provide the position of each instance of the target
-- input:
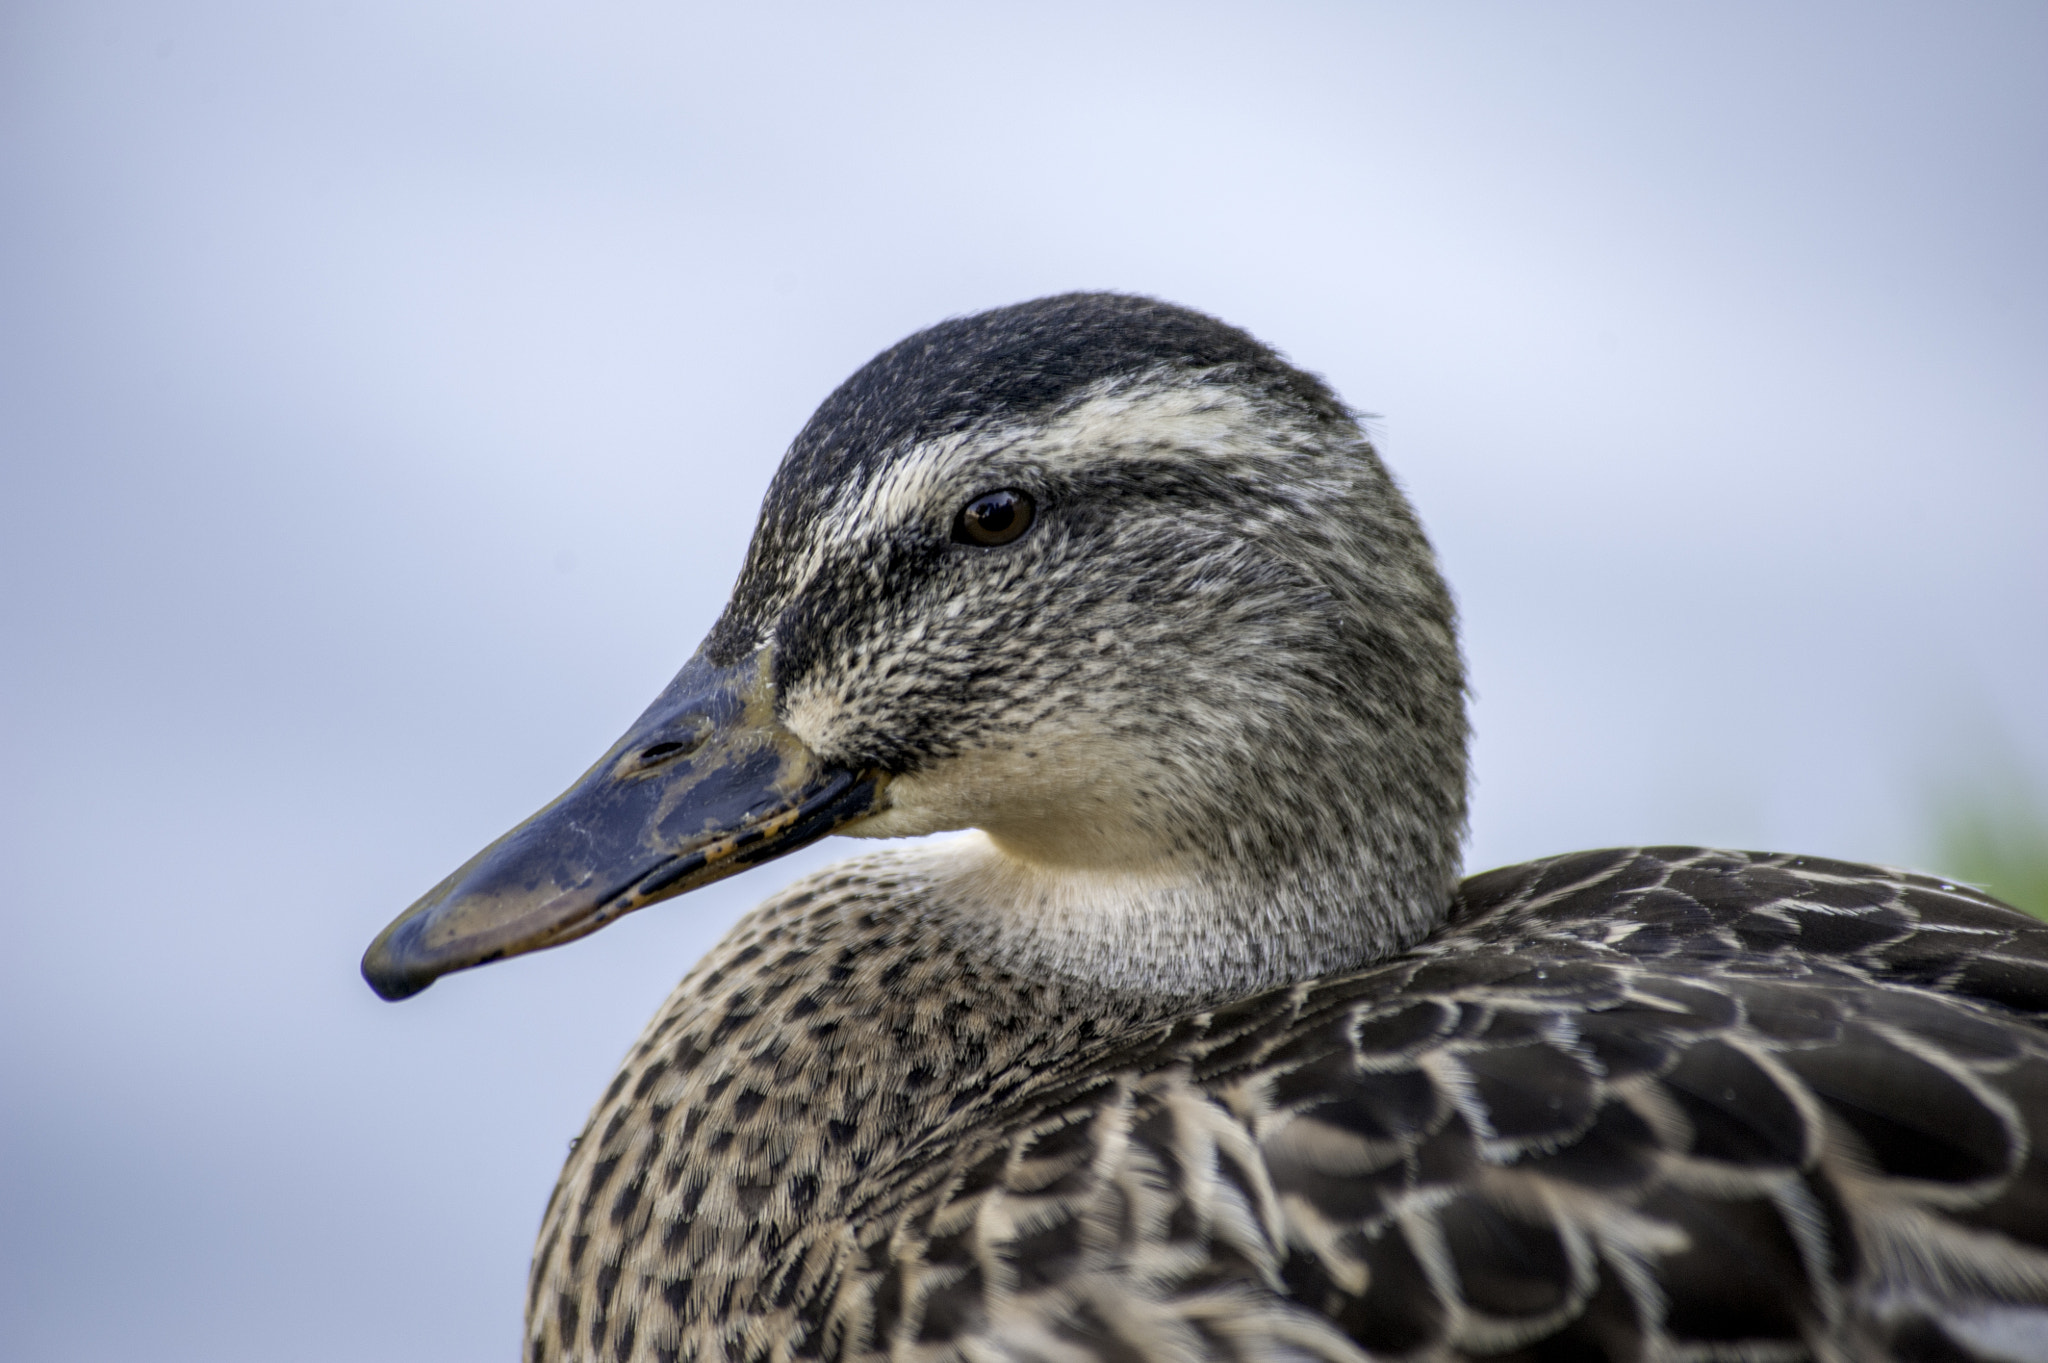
(1103, 578)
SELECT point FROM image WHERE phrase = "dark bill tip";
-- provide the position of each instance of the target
(395, 967)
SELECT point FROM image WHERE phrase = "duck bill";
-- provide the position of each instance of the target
(705, 784)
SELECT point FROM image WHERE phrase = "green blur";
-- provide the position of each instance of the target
(1997, 840)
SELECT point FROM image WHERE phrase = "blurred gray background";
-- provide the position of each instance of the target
(386, 390)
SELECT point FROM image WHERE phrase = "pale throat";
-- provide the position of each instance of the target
(1087, 857)
(1058, 810)
(1070, 884)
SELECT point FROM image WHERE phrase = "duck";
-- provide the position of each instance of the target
(1193, 1042)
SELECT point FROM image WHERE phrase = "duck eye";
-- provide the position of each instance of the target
(994, 518)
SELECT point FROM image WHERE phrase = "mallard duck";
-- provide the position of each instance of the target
(1192, 1045)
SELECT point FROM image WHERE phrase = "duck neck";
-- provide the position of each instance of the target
(1187, 931)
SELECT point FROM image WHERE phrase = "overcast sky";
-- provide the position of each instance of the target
(386, 391)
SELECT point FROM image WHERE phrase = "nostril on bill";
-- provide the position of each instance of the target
(668, 749)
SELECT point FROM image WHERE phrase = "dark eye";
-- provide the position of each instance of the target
(994, 517)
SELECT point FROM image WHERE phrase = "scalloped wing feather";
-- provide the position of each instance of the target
(1633, 1105)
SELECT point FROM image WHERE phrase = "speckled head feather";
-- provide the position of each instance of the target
(1220, 669)
(1004, 367)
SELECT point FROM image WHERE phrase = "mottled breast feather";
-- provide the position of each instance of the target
(1639, 1104)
